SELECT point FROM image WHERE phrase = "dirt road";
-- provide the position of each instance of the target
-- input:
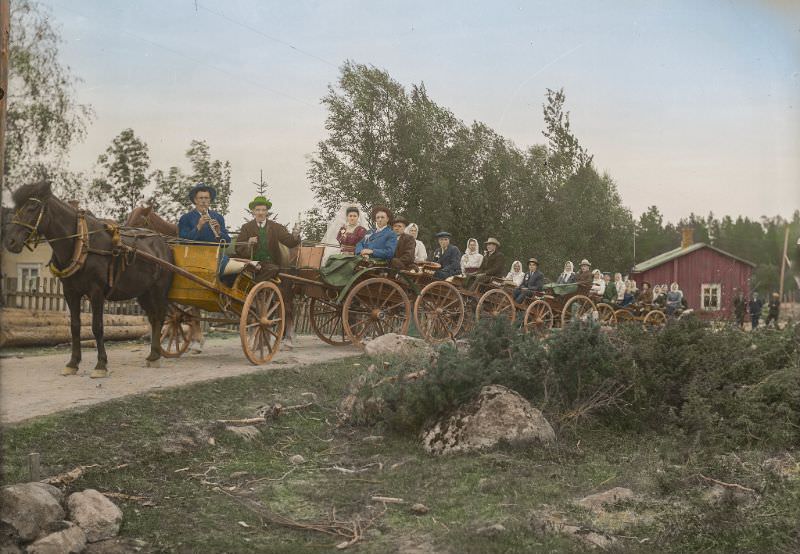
(33, 386)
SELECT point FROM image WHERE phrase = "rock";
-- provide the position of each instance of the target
(28, 508)
(392, 343)
(492, 530)
(596, 502)
(246, 432)
(419, 509)
(721, 495)
(71, 540)
(498, 414)
(237, 474)
(95, 514)
(550, 523)
(297, 459)
(373, 438)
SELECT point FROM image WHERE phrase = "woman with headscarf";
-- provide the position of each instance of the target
(619, 284)
(420, 252)
(598, 287)
(516, 275)
(568, 276)
(346, 229)
(472, 259)
(674, 298)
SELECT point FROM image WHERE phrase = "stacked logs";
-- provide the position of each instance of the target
(42, 328)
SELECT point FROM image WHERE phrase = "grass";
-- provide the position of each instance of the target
(157, 446)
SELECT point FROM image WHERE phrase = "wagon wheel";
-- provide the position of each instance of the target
(175, 333)
(624, 316)
(538, 317)
(579, 308)
(605, 315)
(439, 311)
(375, 307)
(325, 317)
(496, 303)
(262, 322)
(655, 319)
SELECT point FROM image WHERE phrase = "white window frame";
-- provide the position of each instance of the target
(25, 285)
(710, 287)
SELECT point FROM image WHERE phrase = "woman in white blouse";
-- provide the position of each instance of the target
(420, 252)
(472, 259)
(516, 275)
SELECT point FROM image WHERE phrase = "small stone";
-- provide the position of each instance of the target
(28, 508)
(71, 540)
(420, 509)
(297, 459)
(95, 514)
(492, 530)
(595, 502)
(246, 432)
(237, 474)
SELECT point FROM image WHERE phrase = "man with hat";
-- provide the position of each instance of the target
(532, 281)
(493, 265)
(260, 238)
(380, 243)
(584, 277)
(447, 255)
(403, 258)
(203, 224)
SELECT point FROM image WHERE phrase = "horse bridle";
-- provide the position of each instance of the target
(33, 236)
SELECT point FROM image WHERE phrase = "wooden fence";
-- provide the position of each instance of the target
(46, 295)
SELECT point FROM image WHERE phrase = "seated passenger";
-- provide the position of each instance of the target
(532, 281)
(630, 293)
(674, 299)
(584, 277)
(491, 266)
(610, 294)
(260, 237)
(380, 243)
(472, 259)
(420, 252)
(598, 287)
(659, 296)
(619, 284)
(205, 225)
(448, 256)
(646, 294)
(568, 276)
(516, 274)
(403, 258)
(350, 233)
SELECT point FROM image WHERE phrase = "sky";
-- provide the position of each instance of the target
(688, 105)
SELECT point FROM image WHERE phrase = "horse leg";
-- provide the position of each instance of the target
(196, 340)
(74, 303)
(97, 300)
(156, 313)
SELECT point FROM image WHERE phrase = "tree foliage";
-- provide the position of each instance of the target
(44, 118)
(125, 167)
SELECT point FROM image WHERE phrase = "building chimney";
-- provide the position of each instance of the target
(687, 237)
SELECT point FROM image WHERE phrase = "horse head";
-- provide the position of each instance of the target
(29, 201)
(139, 217)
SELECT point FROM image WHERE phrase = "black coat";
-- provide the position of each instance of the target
(450, 260)
(533, 280)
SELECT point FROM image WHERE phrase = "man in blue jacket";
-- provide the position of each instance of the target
(381, 243)
(532, 281)
(205, 225)
(448, 256)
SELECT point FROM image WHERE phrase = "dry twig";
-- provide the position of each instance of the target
(727, 485)
(69, 476)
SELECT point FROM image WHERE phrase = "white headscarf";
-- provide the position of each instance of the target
(516, 276)
(420, 252)
(471, 259)
(334, 225)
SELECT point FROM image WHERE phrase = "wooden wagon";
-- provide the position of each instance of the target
(375, 300)
(258, 308)
(650, 315)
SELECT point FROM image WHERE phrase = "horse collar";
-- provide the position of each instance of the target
(79, 254)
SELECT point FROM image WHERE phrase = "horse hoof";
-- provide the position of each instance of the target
(99, 373)
(153, 363)
(69, 371)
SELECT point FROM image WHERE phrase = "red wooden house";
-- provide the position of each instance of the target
(709, 277)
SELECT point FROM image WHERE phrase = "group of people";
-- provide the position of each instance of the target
(754, 307)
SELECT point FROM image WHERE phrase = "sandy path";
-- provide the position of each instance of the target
(32, 386)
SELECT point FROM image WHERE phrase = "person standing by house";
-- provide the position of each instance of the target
(754, 307)
(739, 308)
(774, 308)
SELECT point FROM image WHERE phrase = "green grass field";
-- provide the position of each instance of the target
(197, 484)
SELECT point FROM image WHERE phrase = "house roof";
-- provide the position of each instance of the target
(678, 252)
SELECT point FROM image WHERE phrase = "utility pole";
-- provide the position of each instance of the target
(784, 259)
(5, 25)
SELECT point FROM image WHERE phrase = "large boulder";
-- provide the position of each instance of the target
(27, 509)
(497, 414)
(70, 540)
(95, 514)
(394, 344)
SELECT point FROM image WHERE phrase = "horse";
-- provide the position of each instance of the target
(91, 259)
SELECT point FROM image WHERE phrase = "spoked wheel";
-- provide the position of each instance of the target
(654, 320)
(624, 316)
(496, 303)
(605, 315)
(538, 317)
(579, 308)
(325, 317)
(375, 307)
(262, 322)
(439, 311)
(175, 333)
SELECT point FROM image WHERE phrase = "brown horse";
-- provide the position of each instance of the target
(90, 259)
